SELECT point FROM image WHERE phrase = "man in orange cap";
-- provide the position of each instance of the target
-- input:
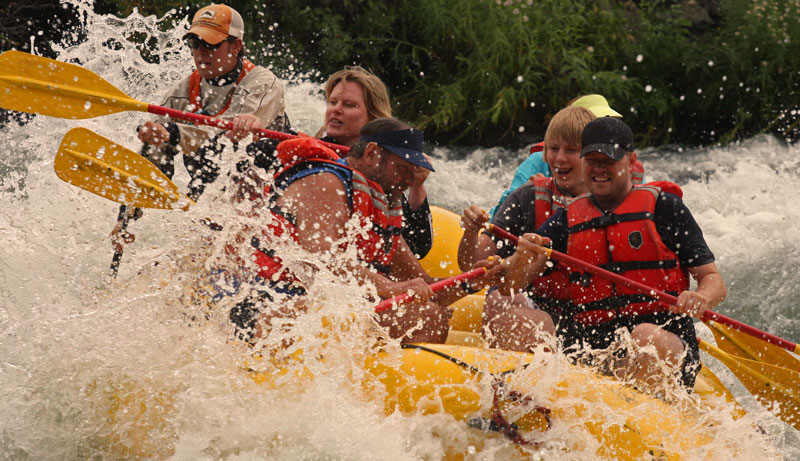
(224, 85)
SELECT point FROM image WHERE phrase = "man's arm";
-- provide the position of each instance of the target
(260, 93)
(406, 267)
(527, 263)
(711, 290)
(319, 205)
(474, 245)
(680, 233)
(417, 227)
(516, 215)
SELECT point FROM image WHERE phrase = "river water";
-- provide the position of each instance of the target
(88, 364)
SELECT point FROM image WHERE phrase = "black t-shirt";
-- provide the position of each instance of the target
(417, 228)
(674, 222)
(516, 215)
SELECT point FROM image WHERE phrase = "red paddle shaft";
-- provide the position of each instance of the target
(436, 286)
(707, 315)
(200, 119)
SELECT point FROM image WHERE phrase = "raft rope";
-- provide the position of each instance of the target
(501, 422)
(498, 422)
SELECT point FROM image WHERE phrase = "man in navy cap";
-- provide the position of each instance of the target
(644, 233)
(327, 204)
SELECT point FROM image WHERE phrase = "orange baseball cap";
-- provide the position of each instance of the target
(215, 23)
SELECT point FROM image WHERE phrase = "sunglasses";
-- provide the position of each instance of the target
(194, 42)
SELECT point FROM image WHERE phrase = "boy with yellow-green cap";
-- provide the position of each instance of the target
(535, 163)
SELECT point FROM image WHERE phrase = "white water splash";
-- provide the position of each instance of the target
(80, 354)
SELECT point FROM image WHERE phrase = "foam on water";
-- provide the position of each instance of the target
(142, 366)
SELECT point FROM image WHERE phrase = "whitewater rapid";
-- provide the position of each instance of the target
(79, 352)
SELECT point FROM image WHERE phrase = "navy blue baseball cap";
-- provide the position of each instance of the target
(608, 135)
(406, 144)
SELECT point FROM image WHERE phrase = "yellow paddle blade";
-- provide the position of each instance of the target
(776, 388)
(44, 86)
(98, 165)
(747, 346)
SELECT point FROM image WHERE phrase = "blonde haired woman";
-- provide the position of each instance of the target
(355, 97)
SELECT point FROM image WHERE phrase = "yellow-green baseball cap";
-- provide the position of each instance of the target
(597, 104)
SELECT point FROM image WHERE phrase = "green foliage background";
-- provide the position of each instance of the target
(475, 71)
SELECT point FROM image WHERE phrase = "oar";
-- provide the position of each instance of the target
(742, 345)
(44, 86)
(706, 316)
(774, 386)
(103, 167)
(96, 164)
(436, 286)
(119, 247)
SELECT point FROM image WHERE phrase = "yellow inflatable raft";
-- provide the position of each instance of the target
(500, 393)
(519, 399)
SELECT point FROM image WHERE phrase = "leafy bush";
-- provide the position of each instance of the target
(476, 71)
(495, 71)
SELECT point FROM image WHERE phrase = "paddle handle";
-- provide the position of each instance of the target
(436, 286)
(706, 316)
(200, 119)
(117, 258)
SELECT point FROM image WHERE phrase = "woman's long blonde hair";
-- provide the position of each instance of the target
(376, 96)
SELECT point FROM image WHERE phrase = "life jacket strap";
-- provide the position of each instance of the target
(609, 220)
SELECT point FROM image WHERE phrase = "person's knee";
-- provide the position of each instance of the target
(545, 321)
(667, 344)
(497, 305)
(436, 321)
(494, 304)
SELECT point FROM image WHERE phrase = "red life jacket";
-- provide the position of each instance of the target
(194, 88)
(382, 223)
(637, 171)
(547, 199)
(551, 289)
(625, 242)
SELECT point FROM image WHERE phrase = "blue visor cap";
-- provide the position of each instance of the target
(406, 144)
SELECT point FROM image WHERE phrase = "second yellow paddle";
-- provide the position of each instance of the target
(103, 167)
(774, 387)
